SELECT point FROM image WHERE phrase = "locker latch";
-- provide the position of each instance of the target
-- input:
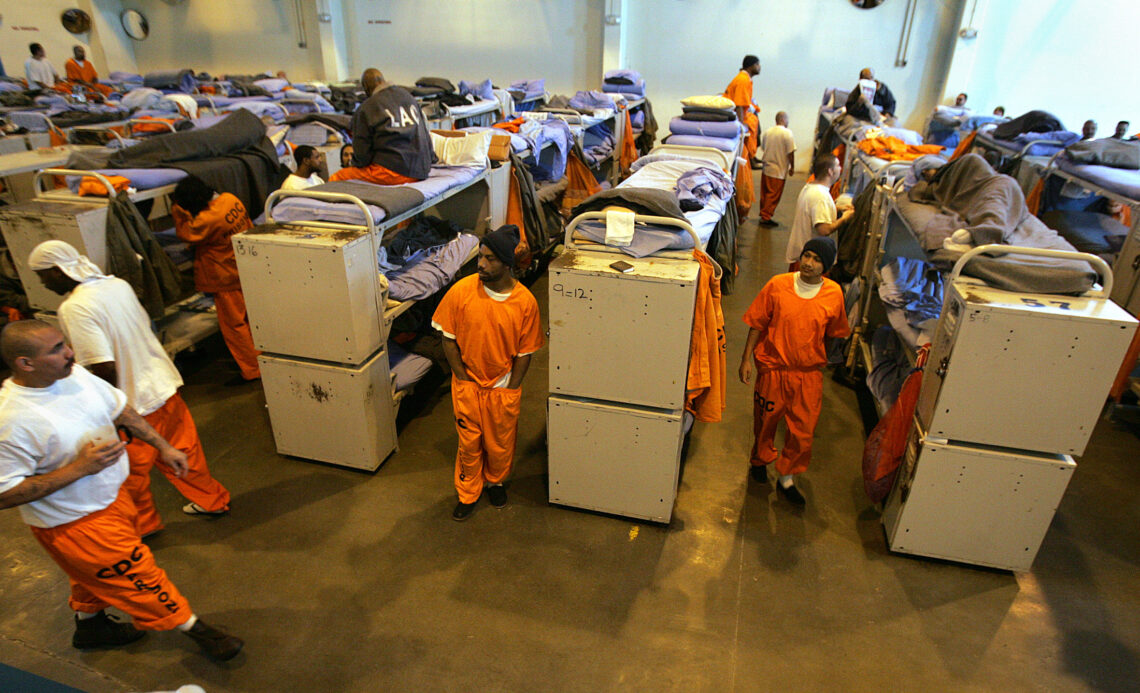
(942, 366)
(1136, 262)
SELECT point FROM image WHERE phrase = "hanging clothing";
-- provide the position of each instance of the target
(705, 386)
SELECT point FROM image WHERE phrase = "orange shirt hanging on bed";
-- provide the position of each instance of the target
(894, 149)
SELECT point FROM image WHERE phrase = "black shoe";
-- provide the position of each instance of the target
(462, 511)
(768, 222)
(792, 494)
(215, 643)
(759, 473)
(239, 380)
(497, 495)
(103, 631)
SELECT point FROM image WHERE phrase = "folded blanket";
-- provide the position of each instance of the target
(181, 80)
(393, 199)
(659, 203)
(1106, 152)
(1033, 121)
(728, 129)
(714, 115)
(436, 82)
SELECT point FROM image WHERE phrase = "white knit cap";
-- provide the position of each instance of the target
(64, 256)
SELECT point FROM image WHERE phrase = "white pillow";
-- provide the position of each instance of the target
(469, 150)
(709, 102)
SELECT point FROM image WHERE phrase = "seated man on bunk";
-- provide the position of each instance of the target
(1121, 132)
(39, 71)
(80, 71)
(960, 100)
(1088, 130)
(308, 164)
(390, 139)
(879, 94)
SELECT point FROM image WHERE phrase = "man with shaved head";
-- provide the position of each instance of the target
(390, 140)
(779, 159)
(63, 465)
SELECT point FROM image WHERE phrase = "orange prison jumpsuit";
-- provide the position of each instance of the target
(215, 271)
(86, 73)
(789, 358)
(108, 565)
(490, 334)
(373, 173)
(739, 90)
(173, 422)
(771, 190)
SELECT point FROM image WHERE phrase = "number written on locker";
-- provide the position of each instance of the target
(574, 292)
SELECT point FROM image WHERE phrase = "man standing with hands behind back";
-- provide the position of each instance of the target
(490, 327)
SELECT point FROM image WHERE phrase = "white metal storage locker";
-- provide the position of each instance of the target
(331, 412)
(614, 458)
(619, 336)
(972, 503)
(1027, 371)
(312, 293)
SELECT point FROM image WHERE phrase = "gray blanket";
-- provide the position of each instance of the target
(651, 201)
(1106, 152)
(968, 194)
(393, 199)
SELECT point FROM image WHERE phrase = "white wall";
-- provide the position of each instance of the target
(38, 21)
(229, 36)
(507, 40)
(1068, 57)
(687, 47)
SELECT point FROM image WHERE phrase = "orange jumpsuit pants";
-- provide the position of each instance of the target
(174, 423)
(792, 395)
(487, 421)
(234, 324)
(374, 173)
(753, 141)
(108, 565)
(771, 190)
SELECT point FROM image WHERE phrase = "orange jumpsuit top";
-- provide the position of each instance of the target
(80, 73)
(215, 268)
(490, 333)
(739, 90)
(793, 328)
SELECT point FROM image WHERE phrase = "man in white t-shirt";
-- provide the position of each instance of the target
(779, 160)
(110, 333)
(40, 73)
(63, 465)
(308, 164)
(815, 213)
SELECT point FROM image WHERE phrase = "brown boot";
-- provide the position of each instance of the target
(215, 643)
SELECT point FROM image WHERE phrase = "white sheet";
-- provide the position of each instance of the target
(663, 175)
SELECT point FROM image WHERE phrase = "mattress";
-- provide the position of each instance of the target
(728, 130)
(1117, 180)
(222, 101)
(721, 143)
(1013, 147)
(439, 180)
(406, 368)
(140, 178)
(480, 106)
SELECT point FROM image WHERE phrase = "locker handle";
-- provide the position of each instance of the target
(1098, 264)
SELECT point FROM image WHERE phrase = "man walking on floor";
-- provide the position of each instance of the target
(779, 160)
(63, 465)
(788, 322)
(490, 327)
(110, 334)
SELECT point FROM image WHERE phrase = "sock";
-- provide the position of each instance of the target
(786, 480)
(189, 623)
(83, 615)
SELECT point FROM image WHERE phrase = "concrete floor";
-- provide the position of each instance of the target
(346, 581)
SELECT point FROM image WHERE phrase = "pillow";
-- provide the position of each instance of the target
(469, 150)
(718, 102)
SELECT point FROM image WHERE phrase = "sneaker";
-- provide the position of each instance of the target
(195, 509)
(497, 495)
(792, 494)
(462, 511)
(759, 473)
(217, 644)
(103, 631)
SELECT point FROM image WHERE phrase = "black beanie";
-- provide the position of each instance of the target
(824, 247)
(503, 241)
(749, 61)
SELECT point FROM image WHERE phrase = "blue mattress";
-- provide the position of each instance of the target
(721, 143)
(140, 178)
(728, 129)
(1014, 147)
(1118, 180)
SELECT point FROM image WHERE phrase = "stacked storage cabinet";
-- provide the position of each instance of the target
(1010, 393)
(619, 353)
(316, 311)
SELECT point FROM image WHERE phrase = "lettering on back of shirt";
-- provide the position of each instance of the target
(408, 118)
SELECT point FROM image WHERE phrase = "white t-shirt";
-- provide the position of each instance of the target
(813, 206)
(295, 182)
(777, 142)
(104, 321)
(39, 71)
(42, 429)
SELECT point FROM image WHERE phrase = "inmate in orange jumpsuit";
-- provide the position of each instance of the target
(490, 334)
(215, 271)
(174, 423)
(739, 91)
(85, 73)
(108, 565)
(789, 358)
